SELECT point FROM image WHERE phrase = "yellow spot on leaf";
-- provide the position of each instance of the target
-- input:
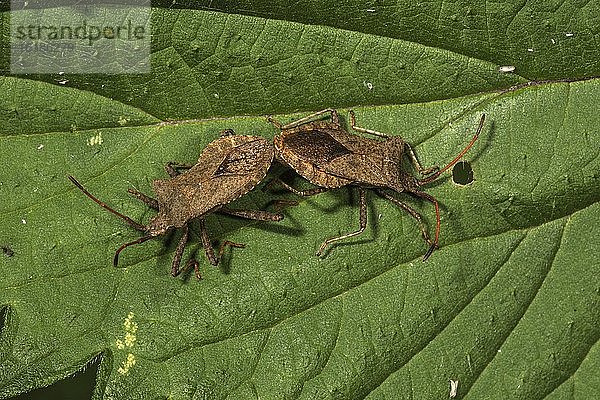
(129, 339)
(127, 364)
(94, 140)
(130, 326)
(130, 329)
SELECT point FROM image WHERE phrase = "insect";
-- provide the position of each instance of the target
(228, 168)
(330, 157)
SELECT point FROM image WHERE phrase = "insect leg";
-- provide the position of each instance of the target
(334, 119)
(226, 132)
(415, 162)
(149, 201)
(191, 263)
(432, 199)
(257, 215)
(175, 270)
(210, 253)
(194, 263)
(363, 222)
(303, 193)
(171, 167)
(364, 130)
(228, 243)
(272, 120)
(409, 210)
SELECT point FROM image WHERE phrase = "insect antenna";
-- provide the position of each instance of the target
(120, 249)
(432, 199)
(131, 222)
(436, 175)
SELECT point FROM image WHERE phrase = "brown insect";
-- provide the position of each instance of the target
(228, 168)
(330, 157)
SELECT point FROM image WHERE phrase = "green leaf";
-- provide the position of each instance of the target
(508, 306)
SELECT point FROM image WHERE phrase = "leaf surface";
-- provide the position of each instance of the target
(508, 306)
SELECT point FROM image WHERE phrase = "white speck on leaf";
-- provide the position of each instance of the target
(368, 85)
(453, 388)
(63, 81)
(94, 140)
(553, 41)
(216, 95)
(41, 146)
(569, 34)
(506, 68)
(530, 50)
(23, 221)
(371, 10)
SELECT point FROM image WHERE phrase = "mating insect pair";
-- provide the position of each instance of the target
(322, 152)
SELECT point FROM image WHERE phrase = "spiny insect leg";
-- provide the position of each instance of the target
(303, 193)
(335, 119)
(272, 120)
(226, 243)
(192, 263)
(363, 222)
(364, 130)
(415, 162)
(171, 167)
(409, 210)
(432, 199)
(175, 270)
(210, 253)
(257, 215)
(226, 132)
(280, 204)
(149, 201)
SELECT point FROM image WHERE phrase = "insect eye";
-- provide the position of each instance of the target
(462, 173)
